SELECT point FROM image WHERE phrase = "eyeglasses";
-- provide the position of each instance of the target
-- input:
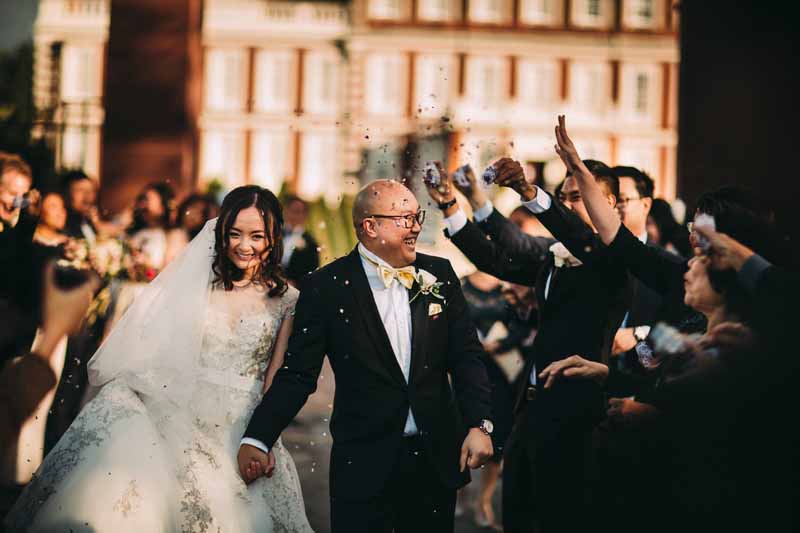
(623, 202)
(408, 220)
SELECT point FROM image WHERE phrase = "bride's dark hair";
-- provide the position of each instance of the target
(269, 269)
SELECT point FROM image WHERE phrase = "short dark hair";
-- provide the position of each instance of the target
(269, 271)
(209, 207)
(292, 198)
(13, 162)
(72, 176)
(644, 183)
(604, 175)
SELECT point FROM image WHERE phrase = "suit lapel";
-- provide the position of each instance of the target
(365, 303)
(419, 328)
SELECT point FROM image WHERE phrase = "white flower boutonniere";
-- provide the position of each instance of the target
(427, 285)
(563, 257)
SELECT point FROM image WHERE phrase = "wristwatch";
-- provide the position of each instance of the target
(486, 426)
(447, 205)
(640, 333)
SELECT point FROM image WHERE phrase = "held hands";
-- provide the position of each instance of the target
(476, 450)
(726, 252)
(574, 366)
(253, 463)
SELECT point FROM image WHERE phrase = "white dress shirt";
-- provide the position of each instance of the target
(395, 312)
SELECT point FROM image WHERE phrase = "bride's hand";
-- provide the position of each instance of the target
(254, 463)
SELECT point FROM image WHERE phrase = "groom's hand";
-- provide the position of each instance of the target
(253, 463)
(476, 450)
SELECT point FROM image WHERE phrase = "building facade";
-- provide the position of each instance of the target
(312, 94)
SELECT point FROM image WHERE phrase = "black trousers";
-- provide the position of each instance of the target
(414, 499)
(546, 477)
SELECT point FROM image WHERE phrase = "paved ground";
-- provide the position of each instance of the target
(309, 441)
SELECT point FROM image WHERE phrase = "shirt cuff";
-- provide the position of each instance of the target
(483, 212)
(455, 222)
(255, 443)
(540, 204)
(751, 271)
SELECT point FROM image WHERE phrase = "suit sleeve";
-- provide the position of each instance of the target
(297, 378)
(658, 269)
(573, 233)
(464, 361)
(508, 236)
(490, 257)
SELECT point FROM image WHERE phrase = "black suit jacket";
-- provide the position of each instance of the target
(304, 260)
(336, 316)
(647, 306)
(583, 310)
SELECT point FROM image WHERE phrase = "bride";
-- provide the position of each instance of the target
(181, 373)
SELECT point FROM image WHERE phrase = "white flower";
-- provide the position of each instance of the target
(563, 257)
(427, 284)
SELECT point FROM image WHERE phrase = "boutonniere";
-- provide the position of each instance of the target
(427, 285)
(563, 257)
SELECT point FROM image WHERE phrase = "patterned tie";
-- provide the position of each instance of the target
(405, 276)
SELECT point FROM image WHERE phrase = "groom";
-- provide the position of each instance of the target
(412, 405)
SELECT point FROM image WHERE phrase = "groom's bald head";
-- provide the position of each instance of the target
(381, 197)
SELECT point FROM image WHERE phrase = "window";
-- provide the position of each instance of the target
(536, 83)
(386, 79)
(225, 79)
(385, 9)
(490, 11)
(80, 73)
(639, 14)
(435, 10)
(270, 158)
(641, 92)
(274, 80)
(319, 164)
(537, 12)
(591, 13)
(223, 157)
(487, 79)
(589, 87)
(432, 84)
(321, 83)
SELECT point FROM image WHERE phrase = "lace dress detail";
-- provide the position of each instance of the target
(121, 468)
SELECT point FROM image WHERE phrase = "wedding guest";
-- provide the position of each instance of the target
(300, 254)
(81, 194)
(25, 380)
(17, 225)
(581, 301)
(194, 212)
(664, 231)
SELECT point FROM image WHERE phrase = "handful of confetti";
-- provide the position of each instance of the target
(460, 177)
(431, 175)
(704, 220)
(489, 175)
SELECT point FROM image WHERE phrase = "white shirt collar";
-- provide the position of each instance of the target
(643, 237)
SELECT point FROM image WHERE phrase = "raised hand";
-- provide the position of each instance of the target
(574, 366)
(511, 174)
(443, 191)
(476, 450)
(565, 148)
(726, 252)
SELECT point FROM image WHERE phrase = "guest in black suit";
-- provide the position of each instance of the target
(300, 254)
(394, 325)
(17, 225)
(581, 304)
(80, 192)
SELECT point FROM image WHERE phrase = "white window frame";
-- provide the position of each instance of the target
(481, 11)
(436, 10)
(386, 9)
(386, 83)
(633, 18)
(537, 83)
(226, 79)
(275, 80)
(319, 163)
(487, 81)
(223, 156)
(81, 73)
(589, 87)
(581, 17)
(271, 157)
(433, 83)
(539, 12)
(321, 82)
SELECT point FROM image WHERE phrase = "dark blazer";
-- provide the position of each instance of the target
(304, 260)
(584, 308)
(74, 225)
(336, 316)
(647, 306)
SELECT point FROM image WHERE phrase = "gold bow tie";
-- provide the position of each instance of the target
(405, 275)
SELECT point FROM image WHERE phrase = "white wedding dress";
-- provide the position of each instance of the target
(131, 462)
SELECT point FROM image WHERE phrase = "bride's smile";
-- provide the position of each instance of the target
(247, 242)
